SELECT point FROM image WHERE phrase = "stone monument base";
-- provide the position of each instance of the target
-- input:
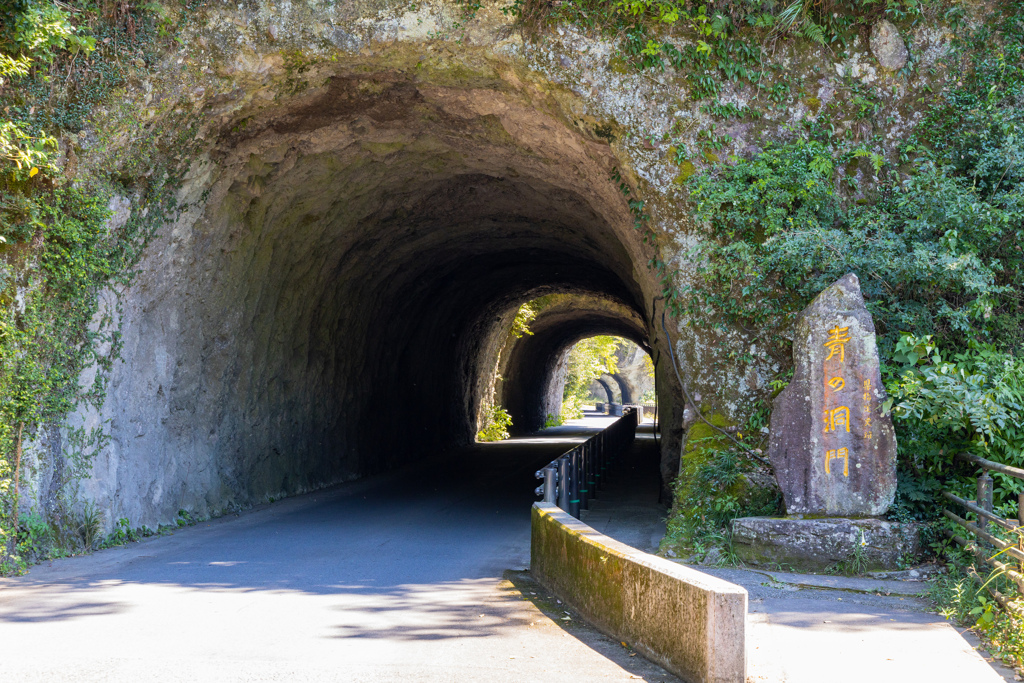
(823, 543)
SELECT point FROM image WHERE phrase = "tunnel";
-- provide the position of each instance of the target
(334, 297)
(611, 388)
(532, 387)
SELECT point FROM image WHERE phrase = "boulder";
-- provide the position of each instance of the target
(833, 451)
(887, 45)
(854, 545)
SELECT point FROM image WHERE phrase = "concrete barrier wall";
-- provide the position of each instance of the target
(690, 623)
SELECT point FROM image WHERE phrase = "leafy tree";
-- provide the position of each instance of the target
(32, 32)
(526, 314)
(964, 402)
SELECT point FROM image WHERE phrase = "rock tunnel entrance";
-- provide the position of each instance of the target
(338, 289)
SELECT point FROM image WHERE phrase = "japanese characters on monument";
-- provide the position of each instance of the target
(836, 416)
(839, 398)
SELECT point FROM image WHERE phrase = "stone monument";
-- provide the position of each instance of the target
(833, 450)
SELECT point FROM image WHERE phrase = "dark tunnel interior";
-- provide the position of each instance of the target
(341, 305)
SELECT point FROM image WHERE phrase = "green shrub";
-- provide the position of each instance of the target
(719, 482)
(34, 536)
(91, 525)
(123, 533)
(970, 402)
(553, 421)
(496, 424)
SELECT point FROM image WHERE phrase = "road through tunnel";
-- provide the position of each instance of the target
(334, 297)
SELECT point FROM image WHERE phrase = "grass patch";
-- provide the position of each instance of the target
(962, 600)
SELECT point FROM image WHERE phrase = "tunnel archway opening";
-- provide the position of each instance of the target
(339, 300)
(575, 341)
(612, 389)
(604, 369)
(609, 394)
(535, 372)
(623, 371)
(599, 369)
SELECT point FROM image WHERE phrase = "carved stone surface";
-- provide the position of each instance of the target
(818, 544)
(888, 47)
(832, 450)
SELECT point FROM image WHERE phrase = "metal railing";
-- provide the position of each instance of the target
(572, 479)
(986, 545)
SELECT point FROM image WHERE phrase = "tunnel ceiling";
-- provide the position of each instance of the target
(354, 254)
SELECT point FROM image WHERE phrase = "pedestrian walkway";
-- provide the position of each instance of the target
(420, 576)
(813, 629)
(627, 507)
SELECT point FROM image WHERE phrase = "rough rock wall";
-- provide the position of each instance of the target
(603, 390)
(552, 401)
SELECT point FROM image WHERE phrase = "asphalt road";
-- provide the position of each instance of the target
(397, 577)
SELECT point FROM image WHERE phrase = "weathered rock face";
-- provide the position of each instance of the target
(817, 544)
(552, 403)
(622, 392)
(887, 45)
(604, 390)
(833, 451)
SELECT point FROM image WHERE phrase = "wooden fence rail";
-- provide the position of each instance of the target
(985, 545)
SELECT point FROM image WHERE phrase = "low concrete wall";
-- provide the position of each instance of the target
(688, 622)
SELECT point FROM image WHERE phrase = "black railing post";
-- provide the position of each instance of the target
(563, 483)
(572, 480)
(550, 486)
(592, 471)
(585, 476)
(574, 483)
